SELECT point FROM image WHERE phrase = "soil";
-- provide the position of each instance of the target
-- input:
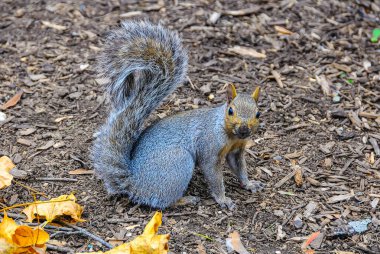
(327, 138)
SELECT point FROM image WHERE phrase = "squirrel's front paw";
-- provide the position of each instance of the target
(254, 186)
(225, 203)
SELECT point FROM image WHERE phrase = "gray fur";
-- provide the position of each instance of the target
(144, 63)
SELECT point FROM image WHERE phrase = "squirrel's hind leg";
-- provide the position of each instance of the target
(162, 177)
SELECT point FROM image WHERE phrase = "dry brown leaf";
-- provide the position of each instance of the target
(298, 178)
(12, 101)
(6, 165)
(244, 51)
(81, 171)
(282, 30)
(147, 242)
(64, 205)
(234, 243)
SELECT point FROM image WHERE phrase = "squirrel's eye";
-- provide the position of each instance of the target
(258, 114)
(230, 111)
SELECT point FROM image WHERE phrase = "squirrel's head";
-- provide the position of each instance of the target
(242, 114)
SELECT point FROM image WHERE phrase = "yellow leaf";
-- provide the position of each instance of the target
(147, 242)
(62, 206)
(6, 165)
(21, 239)
(7, 228)
(25, 236)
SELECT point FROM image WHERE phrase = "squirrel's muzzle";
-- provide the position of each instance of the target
(243, 132)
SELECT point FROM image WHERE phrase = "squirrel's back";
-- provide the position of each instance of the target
(142, 63)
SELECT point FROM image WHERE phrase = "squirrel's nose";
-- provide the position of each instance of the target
(244, 131)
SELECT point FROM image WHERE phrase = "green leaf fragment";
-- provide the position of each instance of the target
(375, 35)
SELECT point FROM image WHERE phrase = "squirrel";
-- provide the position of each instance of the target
(143, 63)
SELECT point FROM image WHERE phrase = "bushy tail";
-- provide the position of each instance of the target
(142, 63)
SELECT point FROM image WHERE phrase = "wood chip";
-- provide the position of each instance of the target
(325, 84)
(242, 12)
(244, 51)
(54, 26)
(342, 67)
(46, 146)
(282, 30)
(354, 118)
(285, 179)
(27, 132)
(277, 77)
(375, 146)
(309, 209)
(24, 142)
(81, 171)
(338, 198)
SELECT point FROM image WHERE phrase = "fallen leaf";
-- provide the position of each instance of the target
(54, 26)
(244, 51)
(234, 243)
(21, 239)
(25, 236)
(6, 165)
(282, 30)
(12, 101)
(81, 171)
(147, 242)
(307, 242)
(298, 176)
(64, 205)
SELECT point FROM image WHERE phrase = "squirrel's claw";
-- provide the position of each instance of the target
(254, 186)
(226, 203)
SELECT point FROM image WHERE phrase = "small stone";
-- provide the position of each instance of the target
(17, 158)
(297, 222)
(75, 95)
(3, 117)
(19, 13)
(18, 174)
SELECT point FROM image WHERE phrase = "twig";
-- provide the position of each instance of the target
(51, 227)
(194, 87)
(285, 179)
(65, 233)
(296, 126)
(56, 179)
(14, 215)
(242, 12)
(88, 234)
(59, 248)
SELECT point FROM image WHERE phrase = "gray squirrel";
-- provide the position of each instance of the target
(143, 64)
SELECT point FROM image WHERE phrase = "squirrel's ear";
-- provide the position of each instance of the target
(255, 95)
(231, 92)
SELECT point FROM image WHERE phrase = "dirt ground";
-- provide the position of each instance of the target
(320, 107)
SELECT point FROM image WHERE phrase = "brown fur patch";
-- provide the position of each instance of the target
(232, 144)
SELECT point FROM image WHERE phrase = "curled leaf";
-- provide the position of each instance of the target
(64, 205)
(21, 239)
(147, 242)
